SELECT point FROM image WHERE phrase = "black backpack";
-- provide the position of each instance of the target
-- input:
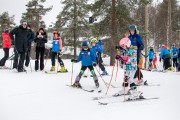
(179, 53)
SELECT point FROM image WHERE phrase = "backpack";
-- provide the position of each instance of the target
(179, 53)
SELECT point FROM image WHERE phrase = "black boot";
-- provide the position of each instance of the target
(96, 83)
(77, 84)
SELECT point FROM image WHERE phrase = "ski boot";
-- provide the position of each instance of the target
(172, 68)
(77, 84)
(122, 92)
(104, 73)
(62, 70)
(145, 83)
(96, 83)
(21, 70)
(52, 68)
(134, 94)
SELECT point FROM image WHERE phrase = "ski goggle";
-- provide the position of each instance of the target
(85, 47)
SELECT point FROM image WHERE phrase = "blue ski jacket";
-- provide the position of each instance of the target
(96, 49)
(151, 54)
(136, 40)
(164, 53)
(86, 57)
(174, 52)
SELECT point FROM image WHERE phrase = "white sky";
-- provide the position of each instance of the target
(17, 7)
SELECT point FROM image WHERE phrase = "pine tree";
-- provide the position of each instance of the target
(115, 18)
(72, 21)
(34, 12)
(161, 22)
(6, 21)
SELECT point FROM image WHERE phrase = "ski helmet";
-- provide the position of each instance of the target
(94, 40)
(132, 27)
(84, 44)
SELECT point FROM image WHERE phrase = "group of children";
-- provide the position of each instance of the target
(90, 56)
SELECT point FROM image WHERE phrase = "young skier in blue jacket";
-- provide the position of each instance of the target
(88, 60)
(97, 50)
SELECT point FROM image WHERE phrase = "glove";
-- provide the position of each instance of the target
(118, 57)
(73, 60)
(60, 52)
(159, 59)
(117, 47)
(141, 47)
(94, 64)
(12, 42)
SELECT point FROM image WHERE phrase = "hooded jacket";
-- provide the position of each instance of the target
(21, 38)
(6, 40)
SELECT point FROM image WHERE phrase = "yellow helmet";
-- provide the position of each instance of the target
(94, 40)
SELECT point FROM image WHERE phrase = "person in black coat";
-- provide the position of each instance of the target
(30, 39)
(21, 44)
(40, 40)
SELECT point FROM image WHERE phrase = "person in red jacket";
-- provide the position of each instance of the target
(6, 47)
(154, 61)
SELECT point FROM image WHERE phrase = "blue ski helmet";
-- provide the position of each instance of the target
(84, 44)
(133, 27)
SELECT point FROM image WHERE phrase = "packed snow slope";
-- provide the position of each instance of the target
(40, 96)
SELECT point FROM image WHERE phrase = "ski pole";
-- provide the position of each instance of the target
(101, 77)
(124, 84)
(110, 80)
(117, 65)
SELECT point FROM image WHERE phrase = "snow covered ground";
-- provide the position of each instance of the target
(40, 96)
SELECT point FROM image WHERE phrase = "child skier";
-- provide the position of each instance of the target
(151, 57)
(57, 50)
(130, 69)
(174, 52)
(154, 61)
(88, 60)
(165, 55)
(97, 50)
(6, 47)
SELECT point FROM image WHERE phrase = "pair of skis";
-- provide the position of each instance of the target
(86, 90)
(128, 100)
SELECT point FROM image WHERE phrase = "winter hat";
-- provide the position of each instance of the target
(24, 23)
(163, 46)
(6, 29)
(84, 44)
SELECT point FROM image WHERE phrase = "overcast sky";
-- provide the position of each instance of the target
(17, 7)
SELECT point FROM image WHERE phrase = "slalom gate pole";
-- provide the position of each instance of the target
(124, 84)
(116, 71)
(110, 80)
(101, 77)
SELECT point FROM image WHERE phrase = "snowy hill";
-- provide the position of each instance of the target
(39, 96)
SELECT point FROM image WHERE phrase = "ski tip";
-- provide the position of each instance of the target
(100, 103)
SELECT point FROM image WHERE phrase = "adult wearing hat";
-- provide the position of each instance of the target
(136, 40)
(21, 44)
